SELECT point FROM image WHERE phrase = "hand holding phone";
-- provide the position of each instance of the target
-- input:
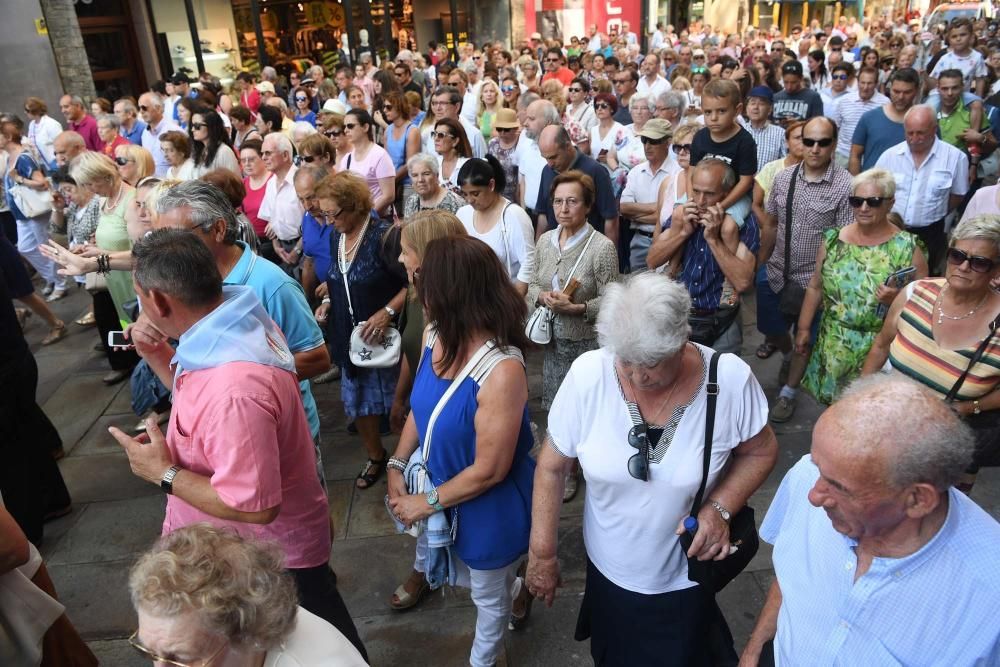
(117, 341)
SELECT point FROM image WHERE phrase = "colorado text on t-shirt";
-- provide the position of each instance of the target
(791, 109)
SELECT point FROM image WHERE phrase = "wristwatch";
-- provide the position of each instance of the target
(388, 309)
(432, 500)
(167, 483)
(721, 510)
(976, 410)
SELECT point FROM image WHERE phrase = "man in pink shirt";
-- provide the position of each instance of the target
(80, 121)
(239, 451)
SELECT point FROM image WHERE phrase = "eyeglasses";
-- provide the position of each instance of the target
(149, 655)
(621, 82)
(977, 263)
(552, 60)
(198, 126)
(638, 464)
(571, 202)
(442, 135)
(839, 77)
(122, 161)
(301, 99)
(681, 148)
(332, 215)
(602, 105)
(873, 202)
(350, 126)
(655, 142)
(823, 143)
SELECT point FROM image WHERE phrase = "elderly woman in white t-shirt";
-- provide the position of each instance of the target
(638, 496)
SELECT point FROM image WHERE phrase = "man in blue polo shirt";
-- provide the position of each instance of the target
(131, 127)
(204, 209)
(561, 155)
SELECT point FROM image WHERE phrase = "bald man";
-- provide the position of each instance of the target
(878, 559)
(66, 146)
(80, 121)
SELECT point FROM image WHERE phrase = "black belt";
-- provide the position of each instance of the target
(640, 232)
(707, 312)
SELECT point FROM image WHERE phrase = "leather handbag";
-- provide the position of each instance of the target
(986, 425)
(792, 294)
(715, 574)
(95, 282)
(538, 328)
(382, 354)
(31, 202)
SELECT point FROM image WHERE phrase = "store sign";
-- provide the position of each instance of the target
(563, 19)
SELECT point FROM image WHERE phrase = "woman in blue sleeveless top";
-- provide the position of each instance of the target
(476, 448)
(402, 141)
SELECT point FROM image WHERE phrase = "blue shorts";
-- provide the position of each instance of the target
(770, 320)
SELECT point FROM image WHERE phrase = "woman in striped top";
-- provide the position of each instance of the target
(935, 326)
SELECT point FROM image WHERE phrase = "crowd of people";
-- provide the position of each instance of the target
(412, 228)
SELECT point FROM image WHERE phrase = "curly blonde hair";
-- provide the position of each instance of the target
(238, 588)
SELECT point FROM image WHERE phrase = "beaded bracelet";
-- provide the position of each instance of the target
(397, 463)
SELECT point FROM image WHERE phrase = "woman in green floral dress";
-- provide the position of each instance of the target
(848, 285)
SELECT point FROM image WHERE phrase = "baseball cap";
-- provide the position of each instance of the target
(792, 67)
(334, 105)
(657, 128)
(265, 87)
(698, 53)
(763, 92)
(536, 35)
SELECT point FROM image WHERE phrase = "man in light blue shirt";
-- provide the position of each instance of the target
(878, 559)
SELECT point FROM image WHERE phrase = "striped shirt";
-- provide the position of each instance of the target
(770, 141)
(936, 606)
(915, 353)
(816, 207)
(847, 113)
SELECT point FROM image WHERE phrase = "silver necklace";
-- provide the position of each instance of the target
(343, 251)
(955, 318)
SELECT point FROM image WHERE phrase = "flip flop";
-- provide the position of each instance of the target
(765, 350)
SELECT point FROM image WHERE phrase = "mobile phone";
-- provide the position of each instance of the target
(116, 339)
(604, 151)
(898, 279)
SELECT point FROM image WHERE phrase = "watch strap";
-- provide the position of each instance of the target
(726, 514)
(167, 482)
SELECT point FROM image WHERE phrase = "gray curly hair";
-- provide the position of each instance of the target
(645, 320)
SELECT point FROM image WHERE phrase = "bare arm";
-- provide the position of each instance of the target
(14, 550)
(735, 260)
(541, 226)
(647, 214)
(879, 353)
(765, 629)
(810, 304)
(310, 363)
(388, 194)
(767, 223)
(671, 240)
(854, 162)
(742, 187)
(611, 229)
(546, 502)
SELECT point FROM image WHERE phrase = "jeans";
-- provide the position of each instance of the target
(148, 393)
(491, 595)
(32, 233)
(638, 249)
(731, 339)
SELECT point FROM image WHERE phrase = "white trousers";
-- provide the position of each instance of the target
(491, 595)
(32, 233)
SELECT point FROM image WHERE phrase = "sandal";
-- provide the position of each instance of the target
(765, 350)
(403, 599)
(521, 595)
(372, 471)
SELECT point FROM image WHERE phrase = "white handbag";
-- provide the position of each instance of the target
(31, 202)
(382, 354)
(538, 328)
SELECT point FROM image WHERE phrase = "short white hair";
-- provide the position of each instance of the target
(425, 159)
(302, 129)
(642, 98)
(645, 320)
(283, 143)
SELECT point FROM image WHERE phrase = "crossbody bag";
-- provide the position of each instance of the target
(792, 294)
(538, 328)
(986, 425)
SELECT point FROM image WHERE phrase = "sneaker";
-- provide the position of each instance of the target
(783, 409)
(786, 365)
(55, 295)
(47, 290)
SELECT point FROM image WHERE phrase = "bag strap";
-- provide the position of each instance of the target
(580, 258)
(786, 271)
(976, 356)
(712, 389)
(504, 235)
(470, 366)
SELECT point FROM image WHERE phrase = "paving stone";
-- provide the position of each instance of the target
(340, 494)
(96, 597)
(117, 652)
(369, 517)
(76, 404)
(114, 530)
(97, 478)
(441, 637)
(97, 441)
(547, 637)
(56, 530)
(740, 602)
(122, 403)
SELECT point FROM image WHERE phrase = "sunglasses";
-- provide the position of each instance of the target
(646, 141)
(442, 135)
(333, 133)
(552, 60)
(386, 107)
(638, 464)
(122, 161)
(476, 57)
(681, 148)
(977, 263)
(301, 99)
(576, 90)
(308, 159)
(602, 105)
(198, 126)
(699, 70)
(839, 77)
(873, 202)
(506, 89)
(350, 126)
(621, 82)
(505, 130)
(823, 143)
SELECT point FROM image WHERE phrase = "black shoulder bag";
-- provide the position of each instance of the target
(986, 424)
(713, 575)
(792, 294)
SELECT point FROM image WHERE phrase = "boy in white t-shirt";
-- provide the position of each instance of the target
(963, 57)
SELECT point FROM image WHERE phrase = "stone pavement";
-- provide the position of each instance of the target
(116, 516)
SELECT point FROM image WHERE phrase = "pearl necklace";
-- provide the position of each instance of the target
(955, 318)
(117, 199)
(343, 251)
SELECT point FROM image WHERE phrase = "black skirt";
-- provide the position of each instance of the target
(684, 628)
